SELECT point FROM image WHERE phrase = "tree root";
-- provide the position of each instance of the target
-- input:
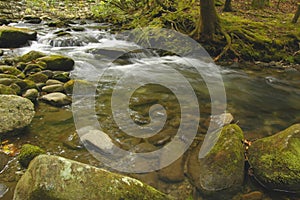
(227, 47)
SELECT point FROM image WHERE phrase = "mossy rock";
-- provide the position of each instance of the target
(16, 88)
(12, 37)
(275, 160)
(58, 62)
(8, 76)
(27, 153)
(68, 86)
(61, 76)
(31, 94)
(222, 168)
(33, 68)
(26, 84)
(53, 178)
(38, 77)
(30, 56)
(7, 81)
(6, 90)
(5, 69)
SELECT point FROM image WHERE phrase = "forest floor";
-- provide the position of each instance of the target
(260, 36)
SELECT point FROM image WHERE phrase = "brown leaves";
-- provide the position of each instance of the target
(8, 148)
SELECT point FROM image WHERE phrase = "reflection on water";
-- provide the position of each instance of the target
(262, 102)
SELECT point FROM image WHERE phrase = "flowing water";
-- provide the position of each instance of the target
(262, 101)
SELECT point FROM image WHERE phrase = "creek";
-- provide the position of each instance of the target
(263, 101)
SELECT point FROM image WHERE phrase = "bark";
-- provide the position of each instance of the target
(297, 14)
(227, 6)
(209, 19)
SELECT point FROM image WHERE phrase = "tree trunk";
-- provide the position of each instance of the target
(260, 3)
(297, 14)
(227, 6)
(209, 19)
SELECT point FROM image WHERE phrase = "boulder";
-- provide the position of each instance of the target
(61, 76)
(26, 84)
(6, 90)
(222, 169)
(12, 37)
(16, 113)
(53, 88)
(30, 56)
(53, 178)
(58, 62)
(32, 19)
(31, 94)
(53, 82)
(33, 68)
(5, 69)
(29, 152)
(57, 99)
(275, 160)
(38, 77)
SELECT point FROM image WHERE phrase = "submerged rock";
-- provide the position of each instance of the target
(3, 161)
(58, 62)
(16, 113)
(57, 99)
(222, 169)
(275, 160)
(3, 190)
(11, 37)
(27, 153)
(53, 177)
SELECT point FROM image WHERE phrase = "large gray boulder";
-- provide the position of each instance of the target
(11, 37)
(275, 160)
(222, 169)
(57, 178)
(16, 113)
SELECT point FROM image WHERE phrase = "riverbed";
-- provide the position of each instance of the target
(262, 100)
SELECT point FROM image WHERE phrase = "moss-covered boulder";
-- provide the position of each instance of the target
(222, 169)
(29, 152)
(58, 62)
(5, 69)
(38, 77)
(16, 113)
(33, 68)
(6, 90)
(30, 56)
(11, 37)
(61, 76)
(53, 178)
(26, 84)
(275, 160)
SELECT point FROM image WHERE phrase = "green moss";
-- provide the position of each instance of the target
(30, 56)
(27, 153)
(276, 160)
(9, 70)
(58, 62)
(6, 90)
(38, 77)
(26, 84)
(15, 37)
